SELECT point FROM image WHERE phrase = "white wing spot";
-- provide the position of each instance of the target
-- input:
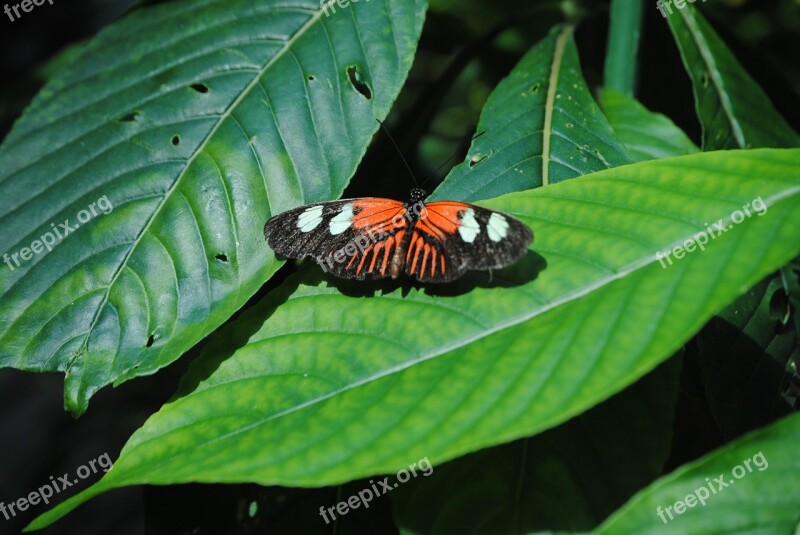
(469, 228)
(343, 220)
(310, 219)
(497, 227)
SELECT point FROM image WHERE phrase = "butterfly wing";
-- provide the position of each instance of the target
(451, 238)
(350, 238)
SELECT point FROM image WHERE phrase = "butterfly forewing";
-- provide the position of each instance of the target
(354, 238)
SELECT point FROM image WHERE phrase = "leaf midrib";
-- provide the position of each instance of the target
(552, 89)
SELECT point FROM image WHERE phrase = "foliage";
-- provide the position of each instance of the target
(198, 120)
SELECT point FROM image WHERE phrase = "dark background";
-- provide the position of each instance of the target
(456, 68)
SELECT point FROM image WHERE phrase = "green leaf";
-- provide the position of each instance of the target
(569, 477)
(645, 134)
(541, 126)
(313, 387)
(192, 122)
(764, 498)
(733, 110)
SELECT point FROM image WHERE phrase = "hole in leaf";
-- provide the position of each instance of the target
(176, 139)
(535, 87)
(150, 340)
(704, 79)
(200, 88)
(358, 84)
(310, 78)
(476, 159)
(129, 117)
(221, 257)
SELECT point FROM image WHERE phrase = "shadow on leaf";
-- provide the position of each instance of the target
(518, 274)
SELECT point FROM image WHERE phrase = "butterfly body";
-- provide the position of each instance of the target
(376, 238)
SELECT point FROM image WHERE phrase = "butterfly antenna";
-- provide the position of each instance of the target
(410, 172)
(433, 175)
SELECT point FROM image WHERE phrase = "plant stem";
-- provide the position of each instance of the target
(623, 45)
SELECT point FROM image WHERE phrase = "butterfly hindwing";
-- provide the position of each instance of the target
(352, 238)
(451, 238)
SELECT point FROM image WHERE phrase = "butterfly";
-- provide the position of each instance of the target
(376, 238)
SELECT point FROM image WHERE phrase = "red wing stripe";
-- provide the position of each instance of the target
(431, 230)
(419, 243)
(444, 215)
(373, 214)
(411, 246)
(350, 263)
(390, 225)
(387, 252)
(363, 259)
(426, 251)
(376, 250)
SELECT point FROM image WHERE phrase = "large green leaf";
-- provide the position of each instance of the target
(312, 386)
(733, 110)
(645, 134)
(749, 486)
(540, 126)
(569, 477)
(196, 121)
